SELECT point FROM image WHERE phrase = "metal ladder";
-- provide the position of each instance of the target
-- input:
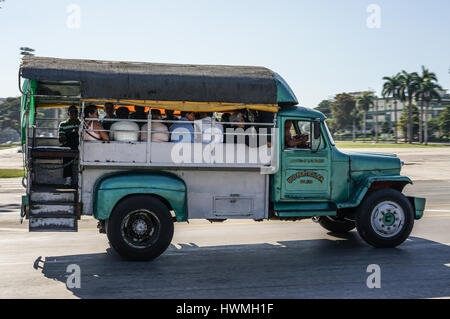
(52, 207)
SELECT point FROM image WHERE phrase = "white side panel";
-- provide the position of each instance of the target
(127, 152)
(212, 194)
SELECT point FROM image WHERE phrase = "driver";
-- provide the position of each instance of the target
(299, 140)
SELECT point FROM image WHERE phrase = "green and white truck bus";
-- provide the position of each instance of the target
(137, 188)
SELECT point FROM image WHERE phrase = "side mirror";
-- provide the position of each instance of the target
(316, 130)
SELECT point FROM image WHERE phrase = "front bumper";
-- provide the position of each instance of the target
(418, 204)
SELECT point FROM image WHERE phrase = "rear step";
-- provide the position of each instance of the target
(53, 208)
(55, 193)
(59, 224)
(53, 217)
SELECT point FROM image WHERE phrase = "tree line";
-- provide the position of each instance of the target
(10, 120)
(346, 111)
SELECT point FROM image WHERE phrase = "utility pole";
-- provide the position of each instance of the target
(376, 119)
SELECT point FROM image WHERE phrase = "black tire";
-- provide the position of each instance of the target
(390, 224)
(335, 225)
(140, 228)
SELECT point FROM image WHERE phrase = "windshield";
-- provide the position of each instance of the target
(329, 133)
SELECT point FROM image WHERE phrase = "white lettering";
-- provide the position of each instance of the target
(74, 279)
(374, 19)
(74, 19)
(374, 279)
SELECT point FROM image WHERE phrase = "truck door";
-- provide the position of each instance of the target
(305, 167)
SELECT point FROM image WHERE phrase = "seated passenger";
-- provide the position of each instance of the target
(124, 131)
(225, 119)
(183, 132)
(169, 117)
(160, 133)
(293, 141)
(250, 138)
(109, 110)
(210, 133)
(265, 117)
(139, 115)
(89, 135)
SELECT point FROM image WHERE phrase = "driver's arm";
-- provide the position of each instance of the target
(292, 142)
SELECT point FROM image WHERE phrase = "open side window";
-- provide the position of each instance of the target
(302, 135)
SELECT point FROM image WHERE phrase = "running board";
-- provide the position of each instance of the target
(310, 213)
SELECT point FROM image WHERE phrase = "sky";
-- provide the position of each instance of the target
(320, 47)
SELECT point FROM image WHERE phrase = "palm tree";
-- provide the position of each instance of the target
(408, 88)
(364, 103)
(391, 89)
(426, 92)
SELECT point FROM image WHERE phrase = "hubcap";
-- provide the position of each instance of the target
(140, 228)
(387, 219)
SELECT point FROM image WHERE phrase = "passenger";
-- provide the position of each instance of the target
(68, 137)
(210, 133)
(293, 141)
(91, 112)
(160, 132)
(139, 115)
(183, 132)
(225, 119)
(109, 110)
(265, 117)
(236, 117)
(68, 130)
(124, 131)
(169, 117)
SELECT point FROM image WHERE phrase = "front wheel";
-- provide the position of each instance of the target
(385, 218)
(140, 228)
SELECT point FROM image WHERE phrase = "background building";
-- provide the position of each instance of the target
(384, 110)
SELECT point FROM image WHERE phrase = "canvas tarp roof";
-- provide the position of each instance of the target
(184, 83)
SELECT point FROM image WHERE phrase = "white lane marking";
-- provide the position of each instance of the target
(438, 210)
(14, 264)
(14, 229)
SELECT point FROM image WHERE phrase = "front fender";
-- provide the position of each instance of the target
(365, 184)
(112, 188)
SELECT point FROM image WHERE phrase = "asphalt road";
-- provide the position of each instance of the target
(235, 259)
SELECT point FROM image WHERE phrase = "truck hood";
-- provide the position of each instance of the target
(376, 162)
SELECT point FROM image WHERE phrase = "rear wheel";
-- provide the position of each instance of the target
(336, 225)
(140, 228)
(385, 218)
